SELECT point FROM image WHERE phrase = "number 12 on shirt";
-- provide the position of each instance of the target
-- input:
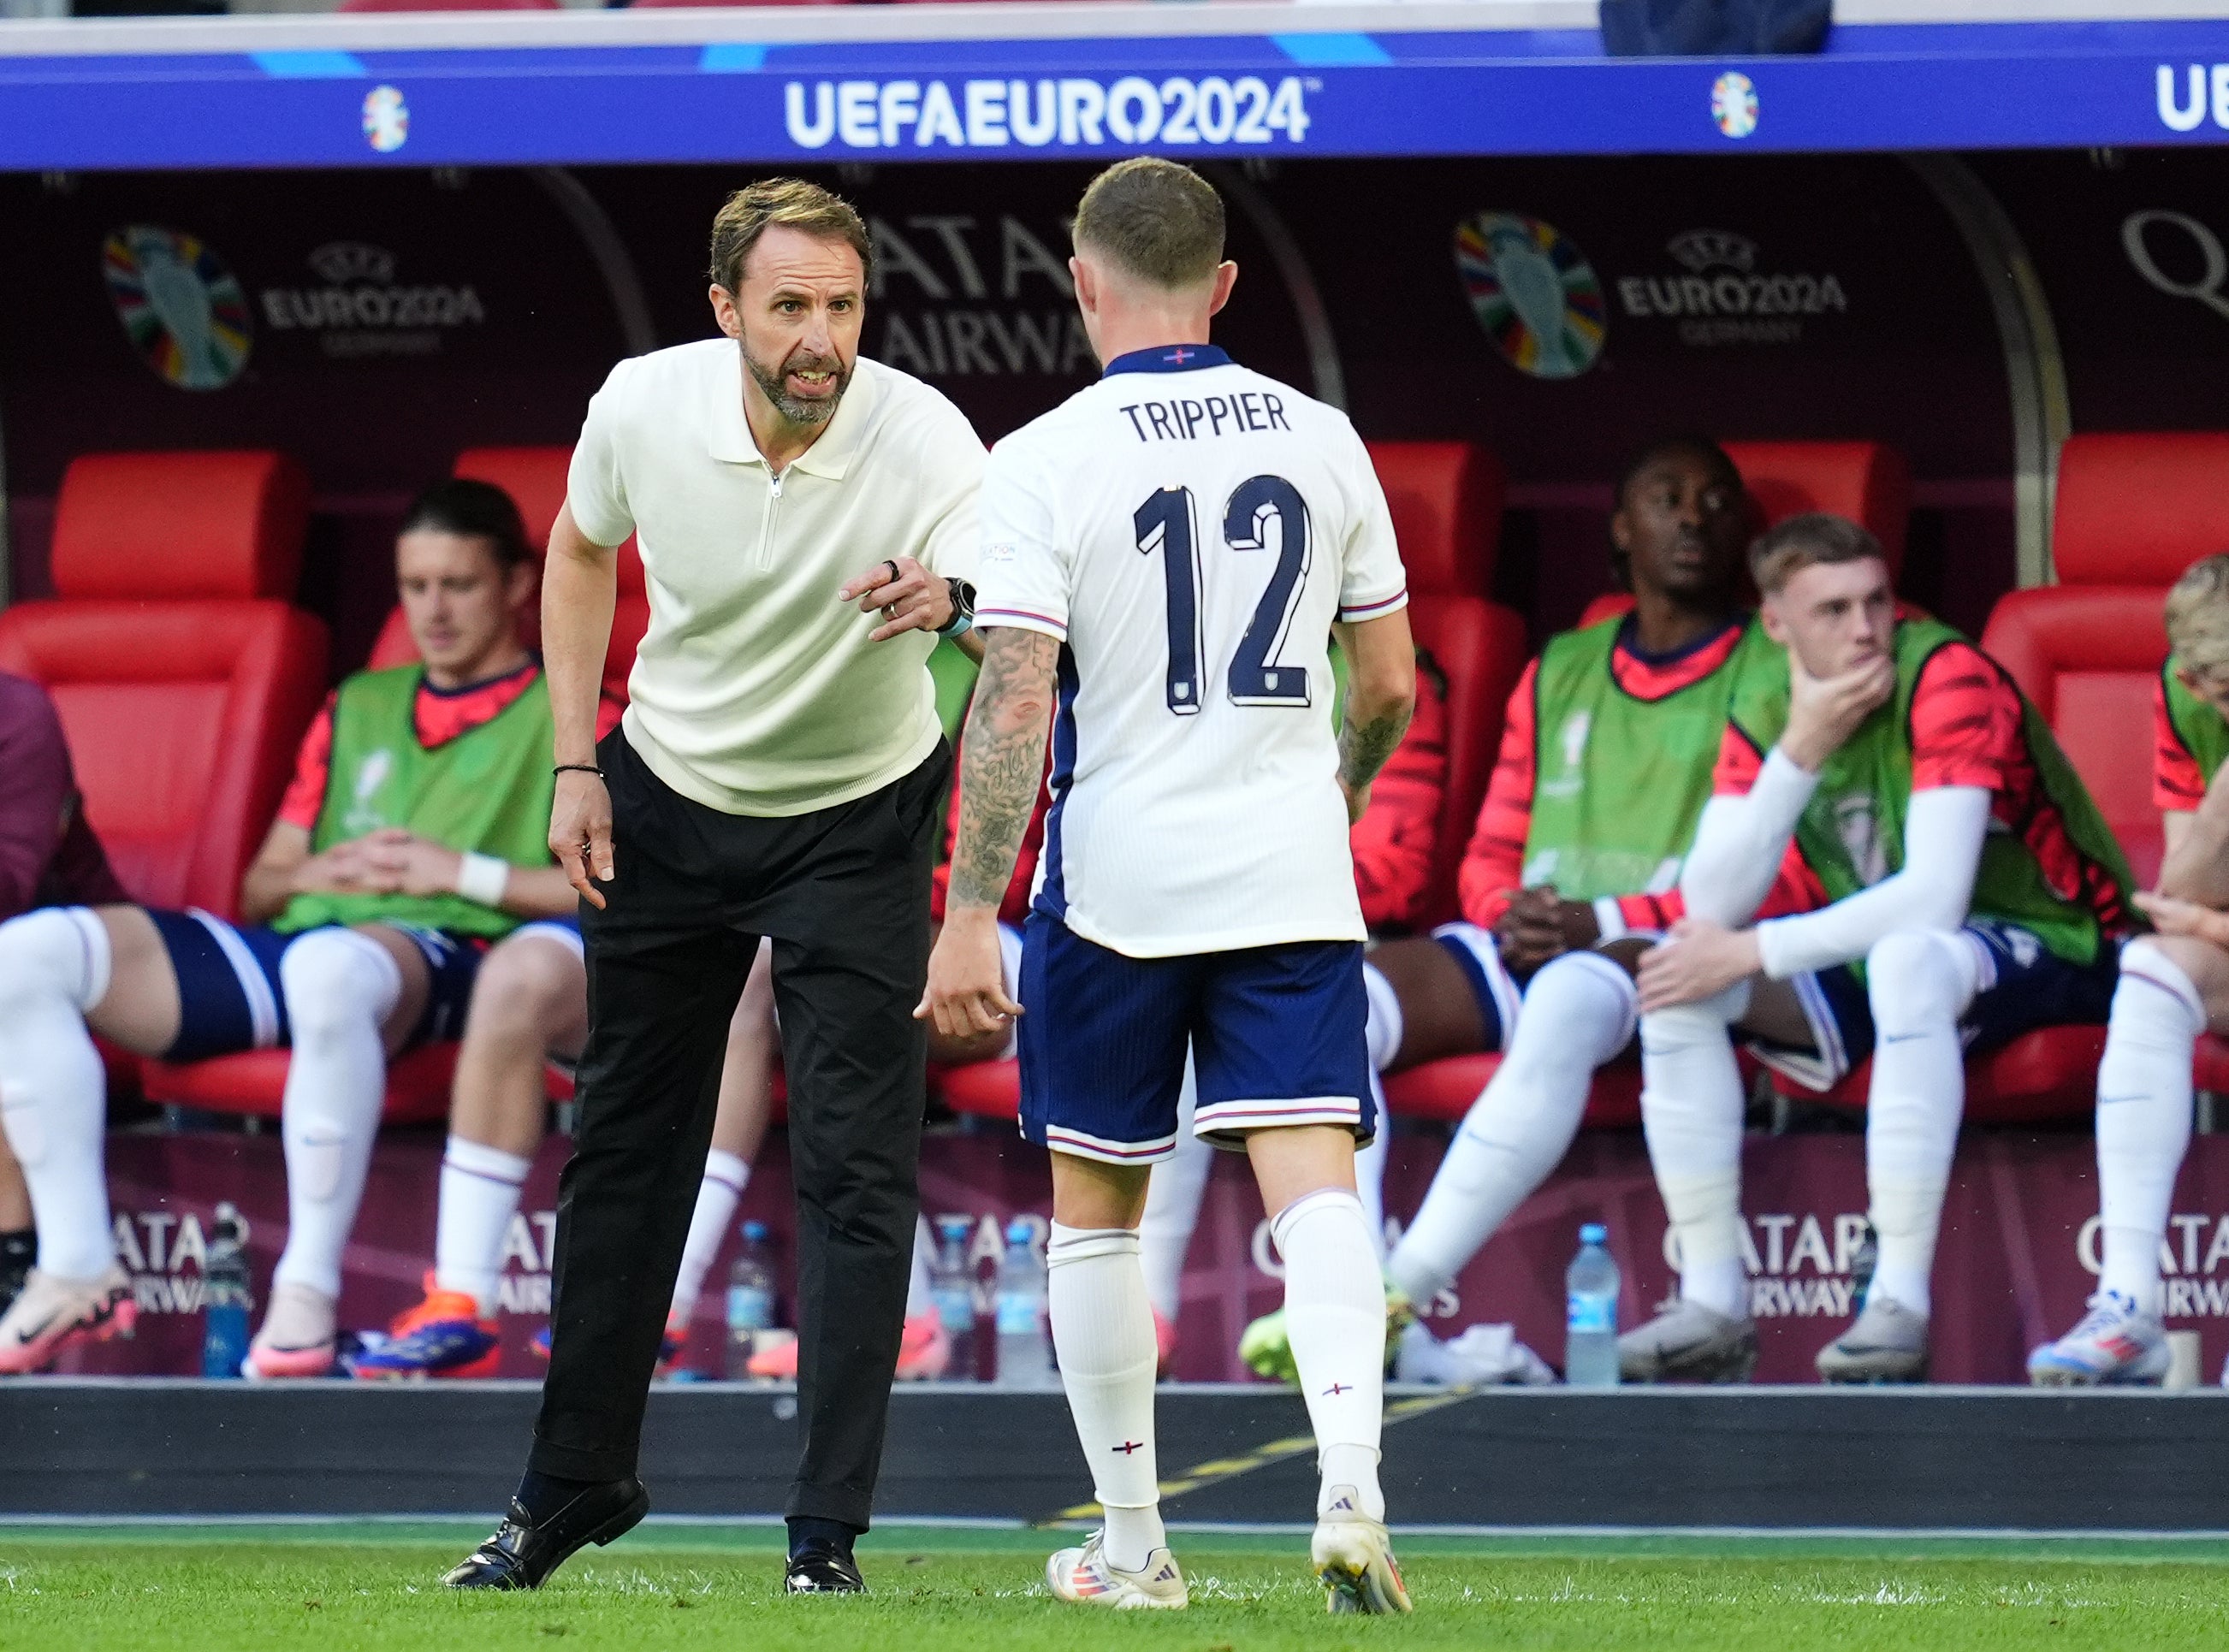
(1167, 521)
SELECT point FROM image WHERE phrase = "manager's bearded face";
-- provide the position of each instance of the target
(797, 317)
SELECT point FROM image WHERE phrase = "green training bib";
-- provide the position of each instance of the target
(488, 790)
(1852, 832)
(1620, 782)
(2196, 724)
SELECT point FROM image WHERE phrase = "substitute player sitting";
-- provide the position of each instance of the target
(1166, 554)
(2174, 986)
(1957, 861)
(1604, 766)
(413, 832)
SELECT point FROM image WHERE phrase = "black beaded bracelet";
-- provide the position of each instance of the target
(578, 768)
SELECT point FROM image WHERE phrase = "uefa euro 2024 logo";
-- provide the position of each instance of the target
(1733, 104)
(182, 311)
(1533, 292)
(386, 119)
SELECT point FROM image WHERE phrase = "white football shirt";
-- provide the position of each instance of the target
(755, 691)
(1189, 529)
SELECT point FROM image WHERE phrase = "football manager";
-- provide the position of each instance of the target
(806, 518)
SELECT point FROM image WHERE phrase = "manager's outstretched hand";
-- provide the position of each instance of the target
(580, 831)
(909, 597)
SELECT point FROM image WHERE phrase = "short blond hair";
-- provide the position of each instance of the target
(1160, 221)
(1805, 541)
(2197, 615)
(785, 203)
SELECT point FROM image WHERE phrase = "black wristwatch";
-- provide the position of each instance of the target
(963, 608)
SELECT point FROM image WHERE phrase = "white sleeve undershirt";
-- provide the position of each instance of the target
(1739, 843)
(1944, 832)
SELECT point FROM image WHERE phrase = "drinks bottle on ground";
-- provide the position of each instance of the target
(952, 1288)
(228, 1296)
(1024, 1345)
(750, 1299)
(1591, 1313)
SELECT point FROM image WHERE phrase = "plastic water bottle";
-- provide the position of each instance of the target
(951, 1288)
(750, 1300)
(1024, 1347)
(228, 1297)
(1863, 1261)
(1591, 1313)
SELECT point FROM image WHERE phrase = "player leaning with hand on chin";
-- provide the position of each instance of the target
(1164, 555)
(2174, 985)
(1956, 858)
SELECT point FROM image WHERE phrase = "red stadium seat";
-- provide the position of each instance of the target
(2133, 512)
(981, 1089)
(2048, 1074)
(1867, 481)
(1446, 501)
(254, 1082)
(182, 675)
(1444, 1091)
(1479, 646)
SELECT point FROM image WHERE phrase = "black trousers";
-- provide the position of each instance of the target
(845, 894)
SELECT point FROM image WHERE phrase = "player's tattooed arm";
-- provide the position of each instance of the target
(1365, 747)
(1001, 761)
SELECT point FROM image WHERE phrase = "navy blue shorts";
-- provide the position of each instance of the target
(1275, 1033)
(229, 996)
(2024, 985)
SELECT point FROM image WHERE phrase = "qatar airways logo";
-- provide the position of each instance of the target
(1033, 114)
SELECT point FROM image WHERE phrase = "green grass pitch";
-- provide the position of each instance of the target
(374, 1587)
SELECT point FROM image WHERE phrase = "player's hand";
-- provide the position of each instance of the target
(911, 598)
(1358, 800)
(412, 865)
(966, 996)
(2172, 917)
(1528, 933)
(1540, 926)
(581, 832)
(1697, 960)
(344, 869)
(1823, 712)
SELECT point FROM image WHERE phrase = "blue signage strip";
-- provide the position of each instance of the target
(1334, 94)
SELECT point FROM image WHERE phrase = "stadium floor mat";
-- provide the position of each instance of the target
(1832, 1463)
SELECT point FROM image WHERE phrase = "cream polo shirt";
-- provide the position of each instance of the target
(755, 691)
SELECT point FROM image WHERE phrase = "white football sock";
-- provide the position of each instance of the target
(1381, 1031)
(479, 1195)
(340, 986)
(1369, 1173)
(726, 1175)
(1580, 1011)
(1102, 1331)
(54, 967)
(1335, 1322)
(2143, 1115)
(1919, 982)
(921, 1299)
(1173, 1197)
(1690, 1115)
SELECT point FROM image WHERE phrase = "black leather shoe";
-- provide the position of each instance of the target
(821, 1569)
(521, 1555)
